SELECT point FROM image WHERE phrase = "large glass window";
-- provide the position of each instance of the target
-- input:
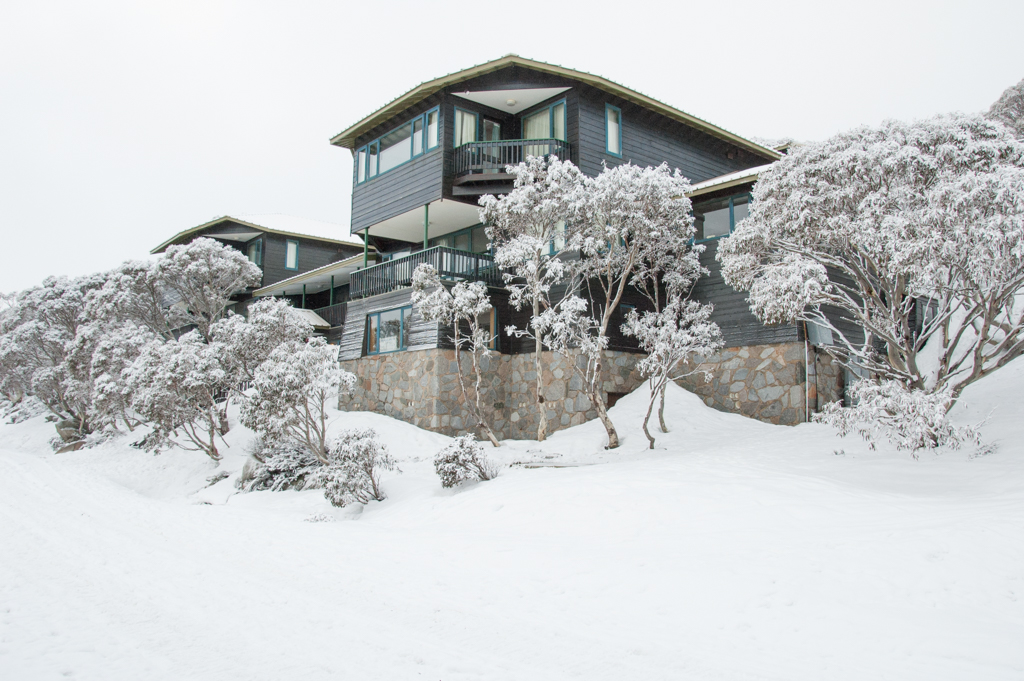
(473, 239)
(255, 252)
(388, 331)
(465, 127)
(488, 323)
(291, 255)
(613, 129)
(402, 144)
(719, 217)
(548, 123)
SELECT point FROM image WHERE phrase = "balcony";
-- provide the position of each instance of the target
(450, 264)
(480, 166)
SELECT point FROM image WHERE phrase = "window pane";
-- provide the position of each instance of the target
(252, 252)
(465, 127)
(558, 242)
(486, 322)
(432, 129)
(291, 257)
(390, 330)
(373, 160)
(537, 126)
(395, 148)
(492, 131)
(462, 241)
(406, 326)
(371, 337)
(614, 131)
(481, 244)
(417, 137)
(361, 165)
(740, 209)
(558, 121)
(712, 219)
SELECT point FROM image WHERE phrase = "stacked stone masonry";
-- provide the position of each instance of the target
(422, 387)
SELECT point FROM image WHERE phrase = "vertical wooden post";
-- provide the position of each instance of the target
(332, 290)
(366, 246)
(426, 222)
(303, 296)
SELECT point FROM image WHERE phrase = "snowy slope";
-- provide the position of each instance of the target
(736, 550)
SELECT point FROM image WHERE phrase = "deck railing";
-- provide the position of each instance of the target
(333, 314)
(492, 157)
(449, 263)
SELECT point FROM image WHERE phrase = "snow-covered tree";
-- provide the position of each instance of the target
(200, 277)
(175, 386)
(671, 337)
(631, 222)
(355, 460)
(133, 293)
(460, 306)
(915, 231)
(248, 341)
(293, 389)
(463, 459)
(278, 467)
(1009, 109)
(527, 228)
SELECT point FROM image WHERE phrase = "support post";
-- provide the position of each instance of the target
(303, 296)
(332, 290)
(426, 222)
(366, 247)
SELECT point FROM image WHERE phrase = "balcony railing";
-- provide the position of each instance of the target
(486, 158)
(449, 263)
(333, 314)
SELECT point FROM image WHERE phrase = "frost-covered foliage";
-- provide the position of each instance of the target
(175, 386)
(463, 459)
(460, 306)
(199, 279)
(672, 337)
(1009, 109)
(278, 468)
(292, 390)
(915, 231)
(911, 419)
(134, 294)
(114, 351)
(527, 228)
(247, 342)
(351, 474)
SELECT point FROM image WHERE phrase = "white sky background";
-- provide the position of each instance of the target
(122, 123)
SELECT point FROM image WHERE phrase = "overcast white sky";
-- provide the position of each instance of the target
(122, 123)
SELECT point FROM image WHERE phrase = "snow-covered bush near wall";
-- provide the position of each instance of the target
(277, 468)
(911, 419)
(355, 461)
(463, 459)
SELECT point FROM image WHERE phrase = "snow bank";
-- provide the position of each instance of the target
(736, 550)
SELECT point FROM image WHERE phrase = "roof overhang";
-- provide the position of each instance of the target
(512, 101)
(446, 216)
(316, 280)
(347, 137)
(735, 179)
(254, 231)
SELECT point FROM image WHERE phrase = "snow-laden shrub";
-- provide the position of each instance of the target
(911, 419)
(278, 468)
(461, 460)
(355, 460)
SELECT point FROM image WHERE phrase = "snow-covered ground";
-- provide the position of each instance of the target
(736, 550)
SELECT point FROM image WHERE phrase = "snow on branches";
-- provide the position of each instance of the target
(351, 474)
(914, 231)
(461, 460)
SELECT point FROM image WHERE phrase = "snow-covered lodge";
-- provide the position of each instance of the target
(420, 164)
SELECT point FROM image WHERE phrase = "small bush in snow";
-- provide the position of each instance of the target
(355, 460)
(461, 460)
(278, 468)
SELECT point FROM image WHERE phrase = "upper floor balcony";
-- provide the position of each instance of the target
(451, 264)
(479, 166)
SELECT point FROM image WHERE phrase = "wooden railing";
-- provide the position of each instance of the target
(449, 263)
(492, 157)
(333, 314)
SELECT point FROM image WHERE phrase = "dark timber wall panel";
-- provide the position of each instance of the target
(312, 254)
(650, 139)
(422, 335)
(732, 312)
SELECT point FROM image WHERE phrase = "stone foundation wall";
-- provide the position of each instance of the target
(422, 388)
(765, 382)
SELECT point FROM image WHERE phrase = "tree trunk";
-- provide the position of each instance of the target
(661, 409)
(542, 416)
(484, 424)
(602, 413)
(647, 418)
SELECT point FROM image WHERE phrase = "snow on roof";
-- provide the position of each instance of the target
(302, 226)
(723, 181)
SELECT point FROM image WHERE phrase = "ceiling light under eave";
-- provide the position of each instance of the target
(510, 102)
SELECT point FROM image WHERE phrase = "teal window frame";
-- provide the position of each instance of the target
(732, 215)
(367, 157)
(475, 114)
(607, 150)
(551, 118)
(291, 241)
(436, 241)
(258, 243)
(401, 330)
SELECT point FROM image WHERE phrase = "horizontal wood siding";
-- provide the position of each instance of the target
(423, 334)
(650, 139)
(312, 254)
(732, 312)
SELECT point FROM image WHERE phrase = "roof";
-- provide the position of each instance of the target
(725, 181)
(275, 223)
(315, 320)
(347, 138)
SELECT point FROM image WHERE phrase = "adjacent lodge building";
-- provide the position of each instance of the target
(420, 165)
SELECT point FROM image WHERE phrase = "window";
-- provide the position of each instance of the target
(487, 322)
(548, 123)
(291, 255)
(719, 217)
(399, 146)
(558, 241)
(388, 331)
(465, 127)
(473, 239)
(613, 130)
(255, 252)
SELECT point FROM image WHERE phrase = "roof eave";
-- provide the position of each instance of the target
(180, 235)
